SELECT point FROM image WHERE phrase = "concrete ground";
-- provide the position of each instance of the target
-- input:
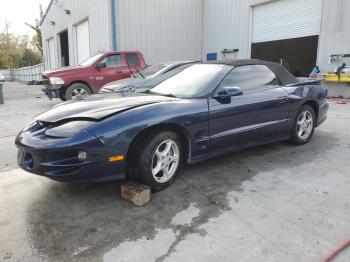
(271, 203)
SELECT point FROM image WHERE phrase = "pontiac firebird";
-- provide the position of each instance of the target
(206, 110)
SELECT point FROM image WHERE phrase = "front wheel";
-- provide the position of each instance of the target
(77, 91)
(156, 161)
(62, 94)
(304, 125)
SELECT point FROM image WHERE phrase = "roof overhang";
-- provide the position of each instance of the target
(47, 10)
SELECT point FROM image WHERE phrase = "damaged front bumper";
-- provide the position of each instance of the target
(59, 158)
(52, 91)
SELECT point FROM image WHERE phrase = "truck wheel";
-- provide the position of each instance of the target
(62, 94)
(76, 91)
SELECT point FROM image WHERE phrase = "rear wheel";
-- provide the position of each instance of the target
(304, 125)
(156, 161)
(77, 90)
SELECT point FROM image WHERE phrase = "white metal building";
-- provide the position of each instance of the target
(298, 33)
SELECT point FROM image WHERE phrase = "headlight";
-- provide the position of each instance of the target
(56, 81)
(33, 126)
(68, 129)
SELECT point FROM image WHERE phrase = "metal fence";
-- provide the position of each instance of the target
(24, 74)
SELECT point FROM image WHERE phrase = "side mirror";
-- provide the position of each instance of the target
(233, 91)
(224, 94)
(101, 65)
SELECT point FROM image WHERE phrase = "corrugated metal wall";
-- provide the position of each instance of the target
(99, 15)
(163, 30)
(335, 33)
(184, 29)
(226, 26)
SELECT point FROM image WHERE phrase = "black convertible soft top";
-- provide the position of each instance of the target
(283, 75)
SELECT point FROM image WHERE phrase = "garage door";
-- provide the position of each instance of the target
(285, 19)
(83, 41)
(51, 56)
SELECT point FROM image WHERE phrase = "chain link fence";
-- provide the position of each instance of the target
(24, 74)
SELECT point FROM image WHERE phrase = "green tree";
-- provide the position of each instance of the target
(37, 39)
(16, 51)
(29, 57)
(20, 51)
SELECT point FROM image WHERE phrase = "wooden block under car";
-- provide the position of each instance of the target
(137, 194)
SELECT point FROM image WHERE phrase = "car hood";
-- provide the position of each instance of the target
(99, 107)
(63, 70)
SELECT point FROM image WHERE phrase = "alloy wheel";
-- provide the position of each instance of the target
(165, 161)
(304, 125)
(79, 92)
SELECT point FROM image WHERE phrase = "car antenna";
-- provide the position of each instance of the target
(130, 69)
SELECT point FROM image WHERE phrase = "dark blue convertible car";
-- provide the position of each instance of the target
(207, 109)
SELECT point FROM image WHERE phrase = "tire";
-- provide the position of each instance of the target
(148, 156)
(77, 90)
(62, 94)
(304, 125)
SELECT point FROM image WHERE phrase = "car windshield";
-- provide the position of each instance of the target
(159, 79)
(151, 70)
(90, 61)
(195, 81)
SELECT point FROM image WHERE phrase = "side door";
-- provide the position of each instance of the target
(114, 70)
(258, 113)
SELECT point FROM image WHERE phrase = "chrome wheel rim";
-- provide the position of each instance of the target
(165, 161)
(79, 92)
(304, 125)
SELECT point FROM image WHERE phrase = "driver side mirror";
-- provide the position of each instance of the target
(224, 94)
(101, 65)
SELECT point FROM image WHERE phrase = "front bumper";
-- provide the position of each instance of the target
(58, 159)
(52, 91)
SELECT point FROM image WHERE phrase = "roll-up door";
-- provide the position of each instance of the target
(83, 41)
(286, 19)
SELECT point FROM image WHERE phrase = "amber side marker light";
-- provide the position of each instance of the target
(115, 158)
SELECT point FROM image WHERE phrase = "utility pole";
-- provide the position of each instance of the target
(7, 25)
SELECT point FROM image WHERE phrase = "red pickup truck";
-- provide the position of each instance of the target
(88, 77)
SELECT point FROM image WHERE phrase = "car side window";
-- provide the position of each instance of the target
(250, 76)
(132, 59)
(112, 61)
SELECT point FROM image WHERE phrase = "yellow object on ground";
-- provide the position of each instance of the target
(343, 78)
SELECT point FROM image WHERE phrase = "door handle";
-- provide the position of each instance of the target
(282, 99)
(119, 71)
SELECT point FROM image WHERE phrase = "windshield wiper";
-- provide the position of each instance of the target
(131, 72)
(139, 72)
(169, 95)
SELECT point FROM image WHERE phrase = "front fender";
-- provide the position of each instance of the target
(120, 130)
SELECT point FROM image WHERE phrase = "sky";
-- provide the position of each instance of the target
(18, 12)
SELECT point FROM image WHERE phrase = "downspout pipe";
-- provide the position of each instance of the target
(114, 25)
